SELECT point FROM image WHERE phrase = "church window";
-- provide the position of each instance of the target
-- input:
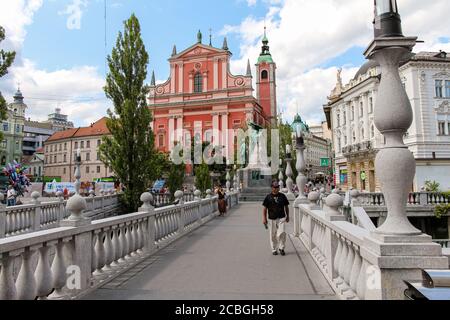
(264, 75)
(17, 128)
(372, 131)
(5, 126)
(447, 88)
(441, 126)
(161, 140)
(198, 83)
(370, 105)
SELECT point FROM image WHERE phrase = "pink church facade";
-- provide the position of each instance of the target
(203, 99)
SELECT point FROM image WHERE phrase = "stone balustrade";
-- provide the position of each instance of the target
(45, 215)
(163, 199)
(347, 255)
(69, 262)
(414, 199)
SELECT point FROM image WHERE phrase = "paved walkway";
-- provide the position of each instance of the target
(226, 259)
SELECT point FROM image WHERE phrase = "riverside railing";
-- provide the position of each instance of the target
(347, 256)
(39, 216)
(69, 262)
(414, 199)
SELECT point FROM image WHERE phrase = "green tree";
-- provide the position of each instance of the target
(130, 152)
(175, 178)
(202, 178)
(6, 60)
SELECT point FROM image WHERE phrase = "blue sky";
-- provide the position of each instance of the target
(164, 23)
(61, 44)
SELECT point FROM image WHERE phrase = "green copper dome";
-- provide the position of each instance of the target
(298, 123)
(265, 58)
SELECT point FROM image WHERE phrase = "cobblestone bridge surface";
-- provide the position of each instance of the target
(226, 259)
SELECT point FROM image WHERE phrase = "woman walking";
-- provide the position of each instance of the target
(222, 203)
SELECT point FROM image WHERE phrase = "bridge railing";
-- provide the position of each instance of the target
(39, 216)
(69, 262)
(414, 199)
(164, 199)
(354, 262)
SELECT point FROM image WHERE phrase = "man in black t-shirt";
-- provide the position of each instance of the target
(276, 206)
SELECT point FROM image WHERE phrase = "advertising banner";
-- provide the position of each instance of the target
(53, 187)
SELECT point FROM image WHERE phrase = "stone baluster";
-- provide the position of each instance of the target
(289, 181)
(228, 178)
(100, 254)
(7, 284)
(59, 269)
(180, 212)
(117, 247)
(342, 261)
(130, 241)
(61, 208)
(301, 168)
(26, 282)
(43, 273)
(135, 236)
(197, 195)
(124, 244)
(337, 257)
(356, 268)
(3, 223)
(141, 237)
(109, 250)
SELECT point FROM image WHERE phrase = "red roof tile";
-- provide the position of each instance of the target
(96, 129)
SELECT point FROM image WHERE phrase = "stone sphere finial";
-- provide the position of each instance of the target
(354, 193)
(35, 195)
(322, 190)
(208, 194)
(197, 194)
(313, 197)
(147, 199)
(91, 193)
(76, 205)
(179, 196)
(59, 194)
(334, 202)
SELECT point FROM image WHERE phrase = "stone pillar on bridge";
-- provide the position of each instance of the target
(397, 250)
(147, 200)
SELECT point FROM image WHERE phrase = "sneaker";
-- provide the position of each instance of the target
(282, 252)
(275, 253)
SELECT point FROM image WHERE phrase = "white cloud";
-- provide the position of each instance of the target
(304, 34)
(78, 90)
(75, 13)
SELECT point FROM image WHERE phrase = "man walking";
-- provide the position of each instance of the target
(276, 207)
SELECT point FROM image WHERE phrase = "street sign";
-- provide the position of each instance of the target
(324, 162)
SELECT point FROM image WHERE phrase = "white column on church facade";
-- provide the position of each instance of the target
(171, 134)
(216, 74)
(172, 78)
(225, 133)
(224, 74)
(216, 129)
(179, 128)
(205, 81)
(180, 77)
(191, 82)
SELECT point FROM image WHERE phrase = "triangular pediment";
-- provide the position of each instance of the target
(198, 49)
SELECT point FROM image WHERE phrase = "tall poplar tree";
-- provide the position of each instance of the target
(130, 152)
(6, 60)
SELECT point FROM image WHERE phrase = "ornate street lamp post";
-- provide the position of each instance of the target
(395, 164)
(299, 131)
(281, 175)
(289, 182)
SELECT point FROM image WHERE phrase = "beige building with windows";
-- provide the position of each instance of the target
(350, 116)
(60, 153)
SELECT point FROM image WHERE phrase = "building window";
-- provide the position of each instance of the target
(198, 83)
(76, 144)
(88, 156)
(87, 169)
(51, 148)
(82, 144)
(88, 144)
(65, 146)
(98, 169)
(345, 140)
(5, 126)
(370, 105)
(441, 126)
(264, 75)
(65, 158)
(17, 145)
(18, 128)
(447, 88)
(46, 159)
(161, 140)
(361, 110)
(354, 136)
(372, 131)
(362, 134)
(4, 144)
(98, 156)
(55, 159)
(208, 136)
(344, 122)
(438, 86)
(338, 117)
(353, 113)
(99, 142)
(60, 147)
(46, 149)
(64, 170)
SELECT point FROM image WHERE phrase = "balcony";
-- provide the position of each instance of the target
(362, 147)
